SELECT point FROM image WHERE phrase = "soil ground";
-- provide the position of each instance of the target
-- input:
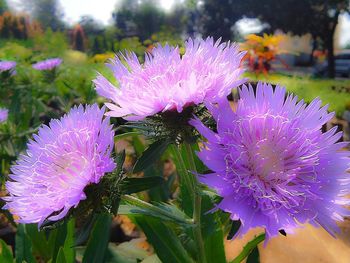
(307, 245)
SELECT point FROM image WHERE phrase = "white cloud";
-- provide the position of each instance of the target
(345, 30)
(101, 10)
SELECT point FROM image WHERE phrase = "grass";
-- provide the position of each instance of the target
(309, 88)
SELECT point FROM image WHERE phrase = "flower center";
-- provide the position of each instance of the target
(267, 161)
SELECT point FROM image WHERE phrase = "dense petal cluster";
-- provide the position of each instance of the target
(206, 72)
(272, 165)
(7, 65)
(47, 64)
(60, 162)
(3, 115)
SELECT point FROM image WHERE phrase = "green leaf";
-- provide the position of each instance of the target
(114, 189)
(125, 135)
(134, 185)
(83, 233)
(120, 162)
(214, 247)
(39, 241)
(138, 145)
(212, 232)
(248, 248)
(181, 162)
(254, 256)
(96, 248)
(152, 154)
(165, 242)
(163, 192)
(5, 253)
(68, 247)
(162, 211)
(57, 238)
(23, 246)
(61, 258)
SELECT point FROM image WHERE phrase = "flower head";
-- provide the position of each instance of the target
(272, 165)
(7, 65)
(48, 64)
(3, 115)
(60, 162)
(206, 73)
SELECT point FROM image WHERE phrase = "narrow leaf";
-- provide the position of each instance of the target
(23, 246)
(56, 240)
(69, 251)
(248, 248)
(83, 233)
(212, 232)
(39, 241)
(165, 242)
(254, 256)
(152, 154)
(5, 253)
(182, 168)
(162, 211)
(61, 258)
(98, 243)
(134, 185)
(120, 162)
(125, 135)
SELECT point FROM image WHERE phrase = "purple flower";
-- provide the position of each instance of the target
(206, 73)
(7, 65)
(65, 157)
(272, 165)
(47, 64)
(3, 115)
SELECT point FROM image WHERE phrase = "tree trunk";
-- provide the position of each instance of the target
(330, 45)
(314, 45)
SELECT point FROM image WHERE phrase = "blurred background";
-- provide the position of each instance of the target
(314, 29)
(301, 44)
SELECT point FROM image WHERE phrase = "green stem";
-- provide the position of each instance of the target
(142, 204)
(197, 231)
(248, 248)
(184, 175)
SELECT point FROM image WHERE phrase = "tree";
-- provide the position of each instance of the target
(317, 17)
(217, 19)
(145, 18)
(78, 37)
(47, 12)
(3, 6)
(124, 17)
(90, 25)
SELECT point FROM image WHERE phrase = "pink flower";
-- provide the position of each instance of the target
(206, 73)
(47, 64)
(64, 157)
(273, 166)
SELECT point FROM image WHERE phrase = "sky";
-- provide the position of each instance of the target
(101, 10)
